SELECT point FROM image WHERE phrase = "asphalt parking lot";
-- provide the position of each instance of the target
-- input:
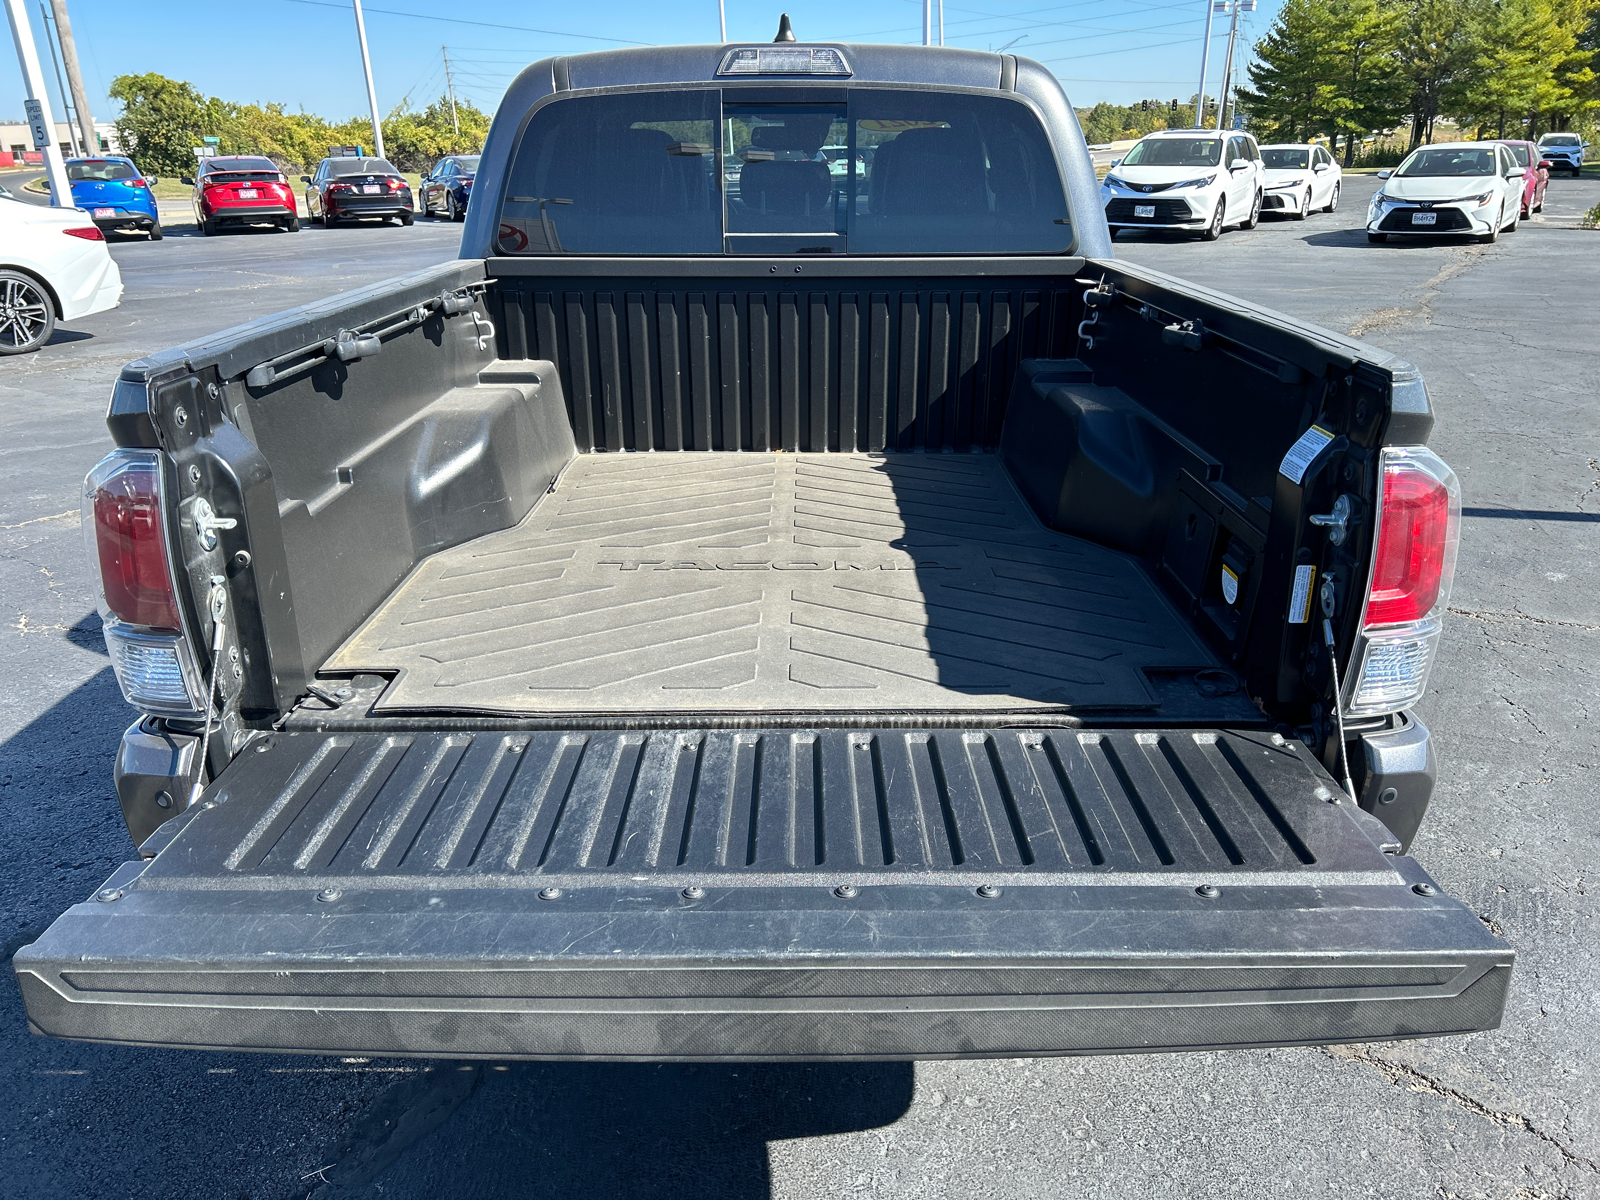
(1505, 335)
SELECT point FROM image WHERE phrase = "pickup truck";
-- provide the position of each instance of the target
(772, 613)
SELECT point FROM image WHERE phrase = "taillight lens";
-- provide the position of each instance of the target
(1414, 560)
(89, 233)
(124, 519)
(1416, 534)
(123, 507)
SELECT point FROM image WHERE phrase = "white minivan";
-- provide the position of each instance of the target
(1197, 179)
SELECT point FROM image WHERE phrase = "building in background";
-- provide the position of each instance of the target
(16, 143)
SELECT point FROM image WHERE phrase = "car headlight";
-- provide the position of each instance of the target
(1480, 201)
(1203, 181)
(1113, 181)
(1287, 183)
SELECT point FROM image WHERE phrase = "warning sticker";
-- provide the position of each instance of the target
(1300, 598)
(1304, 452)
(1230, 585)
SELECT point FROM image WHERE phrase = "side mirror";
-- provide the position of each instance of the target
(1515, 173)
(46, 183)
(1116, 162)
(1544, 164)
(1384, 174)
(305, 179)
(1238, 164)
(186, 180)
(1320, 168)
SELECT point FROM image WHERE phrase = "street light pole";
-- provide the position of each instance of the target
(722, 18)
(40, 119)
(372, 92)
(1205, 57)
(927, 22)
(61, 85)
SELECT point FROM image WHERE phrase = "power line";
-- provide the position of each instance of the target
(390, 12)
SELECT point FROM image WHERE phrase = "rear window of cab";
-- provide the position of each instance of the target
(701, 172)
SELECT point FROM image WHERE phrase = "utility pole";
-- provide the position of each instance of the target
(40, 120)
(1205, 57)
(1224, 100)
(372, 92)
(61, 87)
(927, 22)
(941, 22)
(450, 87)
(722, 18)
(69, 59)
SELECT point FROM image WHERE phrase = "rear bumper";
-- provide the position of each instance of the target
(782, 895)
(250, 212)
(127, 220)
(347, 210)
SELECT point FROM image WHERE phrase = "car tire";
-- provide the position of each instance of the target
(33, 316)
(406, 218)
(327, 219)
(294, 225)
(457, 213)
(1493, 235)
(450, 206)
(1377, 239)
(1333, 200)
(155, 232)
(1254, 218)
(208, 228)
(1219, 214)
(1304, 210)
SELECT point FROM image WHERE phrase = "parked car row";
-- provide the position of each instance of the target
(1205, 181)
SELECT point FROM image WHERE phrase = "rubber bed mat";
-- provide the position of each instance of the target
(755, 582)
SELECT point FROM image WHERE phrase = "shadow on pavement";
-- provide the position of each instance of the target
(604, 1131)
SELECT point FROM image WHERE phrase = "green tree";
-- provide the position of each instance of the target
(1368, 93)
(162, 121)
(1441, 48)
(1294, 82)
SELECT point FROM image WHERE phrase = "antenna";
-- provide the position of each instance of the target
(785, 31)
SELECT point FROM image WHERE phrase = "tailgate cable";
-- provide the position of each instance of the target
(1338, 704)
(218, 604)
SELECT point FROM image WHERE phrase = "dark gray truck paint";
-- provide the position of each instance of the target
(1010, 870)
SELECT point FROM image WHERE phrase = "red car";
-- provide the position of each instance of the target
(242, 189)
(1538, 174)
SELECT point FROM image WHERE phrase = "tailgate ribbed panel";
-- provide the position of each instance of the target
(775, 583)
(769, 806)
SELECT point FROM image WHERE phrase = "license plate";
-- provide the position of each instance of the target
(1424, 218)
(248, 193)
(1144, 210)
(370, 189)
(105, 212)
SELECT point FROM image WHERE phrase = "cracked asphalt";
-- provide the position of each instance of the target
(1505, 336)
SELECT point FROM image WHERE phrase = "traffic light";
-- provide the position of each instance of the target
(1174, 106)
(1144, 106)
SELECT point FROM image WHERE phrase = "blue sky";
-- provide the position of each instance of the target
(303, 52)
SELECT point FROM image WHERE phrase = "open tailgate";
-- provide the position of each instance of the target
(903, 893)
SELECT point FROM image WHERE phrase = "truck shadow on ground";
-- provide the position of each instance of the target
(607, 1131)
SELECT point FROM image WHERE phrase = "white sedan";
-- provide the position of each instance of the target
(54, 265)
(1472, 188)
(1300, 179)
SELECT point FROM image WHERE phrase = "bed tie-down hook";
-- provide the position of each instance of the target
(1102, 296)
(482, 330)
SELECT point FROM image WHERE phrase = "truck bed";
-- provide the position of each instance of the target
(763, 582)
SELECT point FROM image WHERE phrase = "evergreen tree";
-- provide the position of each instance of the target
(1294, 87)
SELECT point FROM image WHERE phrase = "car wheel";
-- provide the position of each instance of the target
(457, 213)
(450, 206)
(208, 228)
(27, 318)
(1254, 218)
(155, 232)
(406, 218)
(294, 225)
(1304, 211)
(327, 218)
(1333, 200)
(1214, 230)
(1377, 238)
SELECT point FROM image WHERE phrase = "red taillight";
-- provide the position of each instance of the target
(1415, 555)
(88, 233)
(124, 495)
(137, 183)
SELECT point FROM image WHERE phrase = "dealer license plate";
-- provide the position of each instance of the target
(370, 189)
(248, 193)
(1144, 210)
(105, 212)
(1424, 218)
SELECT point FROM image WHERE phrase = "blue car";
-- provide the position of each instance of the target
(115, 194)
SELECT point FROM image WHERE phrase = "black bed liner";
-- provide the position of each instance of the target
(740, 894)
(762, 582)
